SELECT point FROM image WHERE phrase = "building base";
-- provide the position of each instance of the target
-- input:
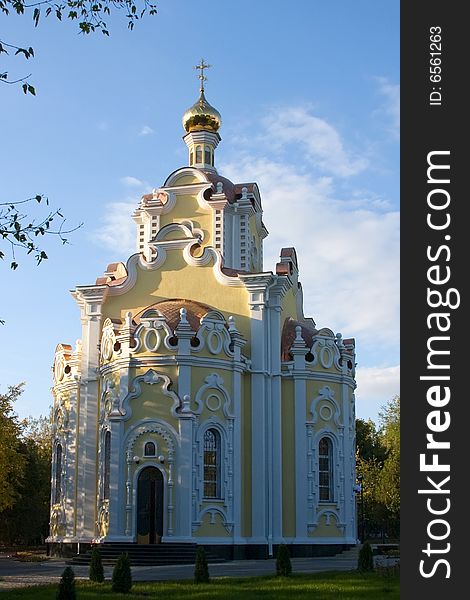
(224, 551)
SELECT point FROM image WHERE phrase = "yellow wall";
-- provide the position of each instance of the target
(289, 306)
(313, 391)
(215, 529)
(186, 180)
(324, 530)
(187, 207)
(198, 376)
(177, 279)
(153, 403)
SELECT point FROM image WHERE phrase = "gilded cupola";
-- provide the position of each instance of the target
(202, 116)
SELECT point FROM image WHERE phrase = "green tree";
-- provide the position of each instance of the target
(12, 462)
(389, 487)
(66, 589)
(283, 564)
(27, 521)
(25, 445)
(40, 431)
(96, 566)
(378, 461)
(368, 441)
(374, 510)
(366, 558)
(201, 569)
(122, 576)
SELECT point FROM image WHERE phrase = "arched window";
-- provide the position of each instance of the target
(198, 155)
(212, 464)
(107, 461)
(325, 470)
(58, 474)
(149, 449)
(207, 155)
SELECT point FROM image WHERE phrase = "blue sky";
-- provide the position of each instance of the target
(309, 97)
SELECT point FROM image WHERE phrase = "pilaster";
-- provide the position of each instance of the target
(257, 286)
(238, 343)
(298, 351)
(90, 300)
(276, 293)
(184, 494)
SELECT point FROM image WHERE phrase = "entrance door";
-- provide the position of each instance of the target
(150, 506)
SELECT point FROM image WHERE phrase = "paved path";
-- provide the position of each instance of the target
(17, 574)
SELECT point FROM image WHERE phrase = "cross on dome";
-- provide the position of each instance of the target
(201, 66)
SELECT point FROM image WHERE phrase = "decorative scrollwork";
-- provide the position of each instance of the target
(103, 519)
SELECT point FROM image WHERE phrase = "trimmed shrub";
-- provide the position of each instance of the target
(122, 577)
(201, 570)
(96, 566)
(66, 589)
(283, 564)
(366, 558)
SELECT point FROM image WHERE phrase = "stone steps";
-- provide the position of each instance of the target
(351, 554)
(146, 554)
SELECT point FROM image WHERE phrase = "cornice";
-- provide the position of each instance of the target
(90, 294)
(318, 376)
(156, 361)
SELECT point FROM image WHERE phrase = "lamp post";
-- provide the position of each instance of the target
(360, 480)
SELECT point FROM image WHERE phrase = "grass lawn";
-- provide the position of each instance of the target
(335, 585)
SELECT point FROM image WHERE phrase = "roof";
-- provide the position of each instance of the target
(288, 336)
(170, 309)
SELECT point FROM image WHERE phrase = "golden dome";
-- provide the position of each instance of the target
(202, 116)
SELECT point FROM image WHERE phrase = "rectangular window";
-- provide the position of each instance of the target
(325, 478)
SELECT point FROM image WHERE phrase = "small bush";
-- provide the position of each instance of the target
(201, 570)
(96, 566)
(66, 589)
(122, 576)
(283, 564)
(366, 558)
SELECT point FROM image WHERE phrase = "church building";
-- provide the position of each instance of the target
(200, 405)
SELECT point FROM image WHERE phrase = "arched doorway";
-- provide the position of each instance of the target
(150, 506)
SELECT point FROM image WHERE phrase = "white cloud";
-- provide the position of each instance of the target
(321, 143)
(348, 253)
(391, 107)
(117, 231)
(375, 386)
(132, 181)
(146, 130)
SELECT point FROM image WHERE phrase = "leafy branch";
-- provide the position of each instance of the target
(20, 232)
(90, 15)
(27, 53)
